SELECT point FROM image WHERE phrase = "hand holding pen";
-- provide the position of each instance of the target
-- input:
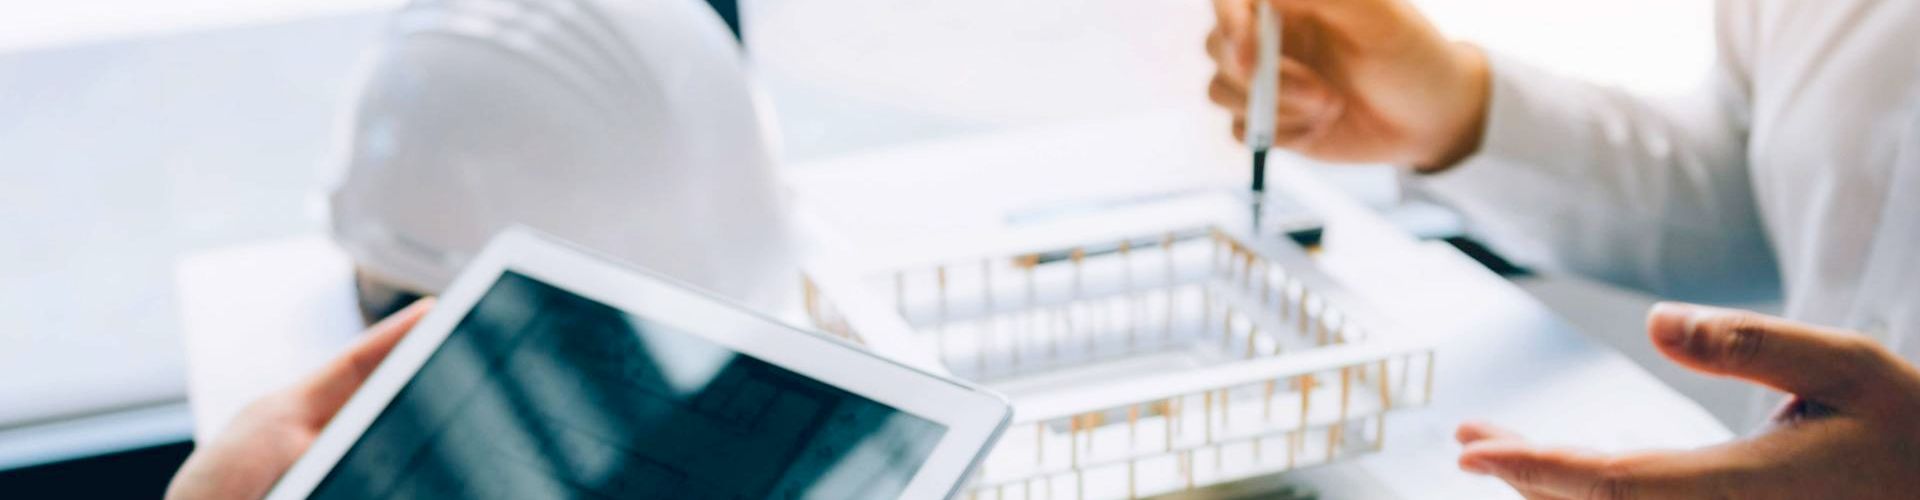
(1366, 81)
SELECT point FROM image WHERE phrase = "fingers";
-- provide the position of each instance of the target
(1294, 136)
(1479, 432)
(1232, 15)
(1228, 94)
(1577, 474)
(1830, 366)
(328, 389)
(1227, 61)
(1305, 103)
(1344, 12)
(1473, 432)
(1232, 44)
(380, 339)
(1541, 473)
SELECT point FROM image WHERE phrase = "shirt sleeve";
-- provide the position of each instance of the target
(1640, 192)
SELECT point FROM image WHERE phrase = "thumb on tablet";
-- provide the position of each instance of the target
(330, 387)
(264, 439)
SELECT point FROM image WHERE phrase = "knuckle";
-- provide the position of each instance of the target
(1612, 489)
(1525, 476)
(1743, 345)
(1731, 341)
(1219, 91)
(1615, 482)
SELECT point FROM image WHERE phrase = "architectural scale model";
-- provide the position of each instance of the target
(1141, 361)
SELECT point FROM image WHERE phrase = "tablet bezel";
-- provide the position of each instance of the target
(973, 417)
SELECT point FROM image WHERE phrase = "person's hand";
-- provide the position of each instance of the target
(1849, 432)
(266, 437)
(1362, 81)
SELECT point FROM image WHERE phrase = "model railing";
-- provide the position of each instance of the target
(1142, 365)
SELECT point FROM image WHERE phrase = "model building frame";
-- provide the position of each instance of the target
(1143, 356)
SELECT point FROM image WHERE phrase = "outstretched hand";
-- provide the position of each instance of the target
(266, 438)
(1849, 431)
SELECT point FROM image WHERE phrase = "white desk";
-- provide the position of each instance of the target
(1504, 357)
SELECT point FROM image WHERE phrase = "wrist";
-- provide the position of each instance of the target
(1460, 135)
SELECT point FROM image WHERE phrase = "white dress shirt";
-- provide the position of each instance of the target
(625, 126)
(1795, 171)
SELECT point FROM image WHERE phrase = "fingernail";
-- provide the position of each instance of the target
(1477, 466)
(1671, 323)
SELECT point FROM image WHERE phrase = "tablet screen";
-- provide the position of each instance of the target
(541, 393)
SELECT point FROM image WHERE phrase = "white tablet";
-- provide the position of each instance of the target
(546, 372)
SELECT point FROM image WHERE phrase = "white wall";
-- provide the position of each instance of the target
(28, 24)
(1005, 62)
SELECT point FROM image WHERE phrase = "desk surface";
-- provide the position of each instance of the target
(1503, 357)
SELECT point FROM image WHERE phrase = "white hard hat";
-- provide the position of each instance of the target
(627, 126)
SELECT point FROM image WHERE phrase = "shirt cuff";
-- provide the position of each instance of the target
(1532, 126)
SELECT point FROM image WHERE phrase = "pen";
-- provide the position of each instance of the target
(1261, 105)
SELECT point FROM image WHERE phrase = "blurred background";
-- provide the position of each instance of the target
(137, 133)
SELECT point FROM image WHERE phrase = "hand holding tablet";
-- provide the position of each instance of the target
(266, 438)
(546, 373)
